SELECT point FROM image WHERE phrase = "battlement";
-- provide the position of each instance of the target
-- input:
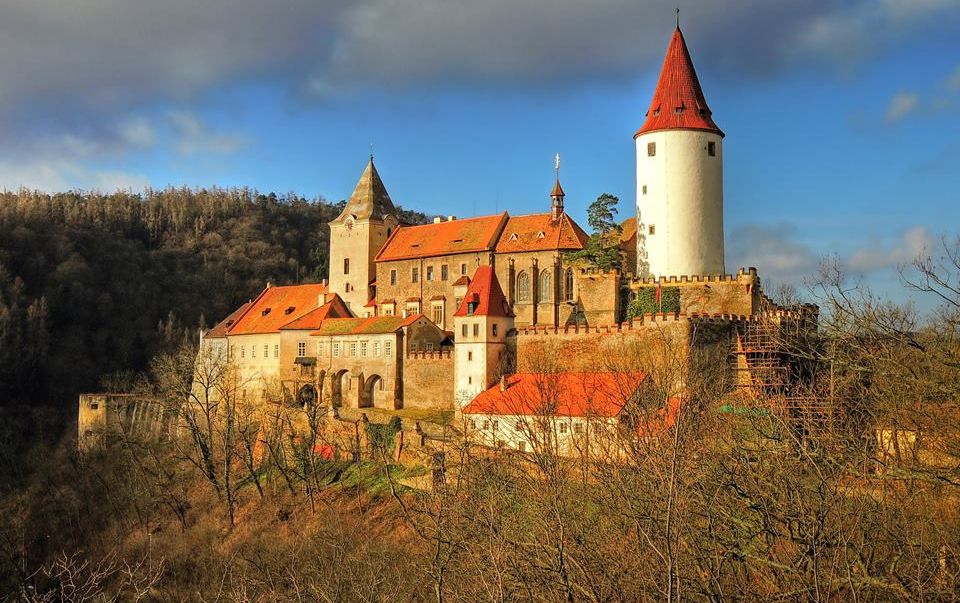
(742, 275)
(431, 355)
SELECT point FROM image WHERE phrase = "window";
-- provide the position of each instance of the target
(469, 380)
(651, 149)
(346, 265)
(429, 273)
(388, 310)
(363, 349)
(568, 285)
(388, 348)
(276, 351)
(464, 329)
(463, 270)
(353, 349)
(644, 189)
(457, 302)
(301, 348)
(652, 230)
(346, 288)
(523, 287)
(319, 348)
(444, 273)
(476, 329)
(243, 351)
(522, 446)
(429, 346)
(336, 349)
(486, 424)
(393, 277)
(376, 348)
(438, 315)
(712, 149)
(563, 428)
(578, 427)
(546, 286)
(469, 355)
(253, 351)
(472, 424)
(415, 276)
(494, 329)
(495, 424)
(266, 351)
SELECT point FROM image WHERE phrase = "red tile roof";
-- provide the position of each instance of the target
(540, 232)
(678, 102)
(220, 329)
(463, 280)
(334, 308)
(558, 394)
(485, 292)
(467, 235)
(557, 190)
(276, 307)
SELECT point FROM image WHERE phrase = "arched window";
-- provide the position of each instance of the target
(568, 285)
(523, 287)
(545, 293)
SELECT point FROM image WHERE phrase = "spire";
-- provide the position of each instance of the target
(369, 200)
(678, 102)
(557, 194)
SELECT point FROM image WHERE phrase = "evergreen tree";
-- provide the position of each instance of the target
(603, 247)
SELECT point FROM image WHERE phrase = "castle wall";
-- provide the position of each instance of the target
(429, 293)
(599, 297)
(428, 380)
(739, 295)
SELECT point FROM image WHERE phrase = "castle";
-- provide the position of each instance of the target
(462, 314)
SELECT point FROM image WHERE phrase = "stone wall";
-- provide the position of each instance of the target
(428, 380)
(739, 295)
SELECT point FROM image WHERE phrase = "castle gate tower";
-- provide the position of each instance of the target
(356, 236)
(679, 175)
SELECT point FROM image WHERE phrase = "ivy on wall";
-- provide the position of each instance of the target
(646, 301)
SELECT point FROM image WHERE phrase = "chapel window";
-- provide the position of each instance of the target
(546, 286)
(568, 285)
(523, 287)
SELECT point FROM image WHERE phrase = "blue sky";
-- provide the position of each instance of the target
(841, 117)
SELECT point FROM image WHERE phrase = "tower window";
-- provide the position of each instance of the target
(653, 229)
(651, 149)
(346, 265)
(476, 330)
(444, 272)
(393, 277)
(712, 149)
(644, 189)
(429, 273)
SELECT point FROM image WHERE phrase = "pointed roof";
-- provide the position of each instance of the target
(557, 190)
(678, 102)
(485, 292)
(369, 200)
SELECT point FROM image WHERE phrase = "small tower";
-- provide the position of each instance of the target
(679, 175)
(480, 327)
(556, 195)
(356, 236)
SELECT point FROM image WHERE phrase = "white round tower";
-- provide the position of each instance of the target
(679, 176)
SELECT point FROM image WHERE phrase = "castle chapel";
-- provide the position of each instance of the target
(447, 315)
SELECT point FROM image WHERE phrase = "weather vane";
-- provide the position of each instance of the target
(371, 151)
(556, 165)
(678, 17)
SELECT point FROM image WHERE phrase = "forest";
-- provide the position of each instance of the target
(92, 286)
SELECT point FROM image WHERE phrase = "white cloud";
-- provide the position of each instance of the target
(901, 105)
(773, 249)
(878, 255)
(59, 174)
(193, 137)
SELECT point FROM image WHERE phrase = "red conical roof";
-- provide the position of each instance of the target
(678, 101)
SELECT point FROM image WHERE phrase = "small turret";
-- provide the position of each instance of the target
(557, 194)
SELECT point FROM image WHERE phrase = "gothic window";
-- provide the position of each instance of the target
(546, 287)
(523, 287)
(568, 285)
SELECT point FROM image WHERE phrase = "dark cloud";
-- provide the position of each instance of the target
(102, 54)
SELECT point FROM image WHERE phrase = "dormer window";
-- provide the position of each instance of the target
(265, 311)
(289, 310)
(513, 237)
(541, 234)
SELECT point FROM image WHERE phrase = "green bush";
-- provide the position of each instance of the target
(646, 301)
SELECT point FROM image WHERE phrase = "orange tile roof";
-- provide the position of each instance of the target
(678, 101)
(540, 232)
(485, 292)
(466, 235)
(558, 394)
(220, 329)
(334, 308)
(276, 307)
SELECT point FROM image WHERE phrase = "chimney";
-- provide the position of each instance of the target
(503, 383)
(437, 220)
(451, 218)
(269, 284)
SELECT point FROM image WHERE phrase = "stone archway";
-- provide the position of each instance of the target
(372, 392)
(337, 388)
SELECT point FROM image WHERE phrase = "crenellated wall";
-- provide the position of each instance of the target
(428, 380)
